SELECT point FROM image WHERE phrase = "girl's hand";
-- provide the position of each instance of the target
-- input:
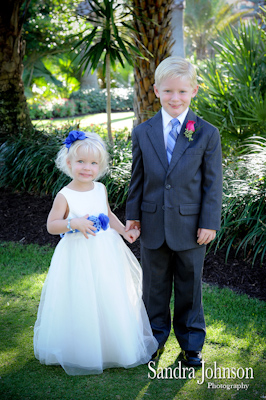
(131, 235)
(83, 225)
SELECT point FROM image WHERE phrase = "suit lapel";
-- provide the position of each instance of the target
(155, 134)
(182, 142)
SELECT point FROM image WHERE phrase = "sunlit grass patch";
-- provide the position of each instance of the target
(236, 332)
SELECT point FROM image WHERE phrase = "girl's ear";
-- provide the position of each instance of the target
(68, 163)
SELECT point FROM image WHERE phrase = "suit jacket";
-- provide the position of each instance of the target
(173, 201)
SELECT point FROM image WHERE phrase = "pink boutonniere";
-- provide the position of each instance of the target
(190, 129)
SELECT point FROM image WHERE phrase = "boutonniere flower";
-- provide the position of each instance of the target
(190, 129)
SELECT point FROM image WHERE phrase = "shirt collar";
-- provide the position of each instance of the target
(167, 118)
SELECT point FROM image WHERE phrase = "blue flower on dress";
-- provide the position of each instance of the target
(99, 222)
(73, 136)
(104, 219)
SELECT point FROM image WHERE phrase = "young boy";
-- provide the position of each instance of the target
(175, 197)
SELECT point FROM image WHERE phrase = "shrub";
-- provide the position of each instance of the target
(121, 99)
(28, 165)
(66, 108)
(233, 93)
(244, 201)
(96, 99)
(39, 111)
(83, 102)
(82, 106)
(118, 177)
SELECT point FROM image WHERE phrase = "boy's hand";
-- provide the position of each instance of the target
(132, 224)
(131, 235)
(83, 225)
(205, 236)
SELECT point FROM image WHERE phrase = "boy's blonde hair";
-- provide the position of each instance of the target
(175, 67)
(93, 144)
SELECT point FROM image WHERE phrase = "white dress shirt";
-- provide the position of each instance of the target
(167, 126)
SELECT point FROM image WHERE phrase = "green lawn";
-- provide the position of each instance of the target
(236, 339)
(119, 120)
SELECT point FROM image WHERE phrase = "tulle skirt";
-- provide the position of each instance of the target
(91, 314)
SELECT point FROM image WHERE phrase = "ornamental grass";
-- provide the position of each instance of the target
(28, 163)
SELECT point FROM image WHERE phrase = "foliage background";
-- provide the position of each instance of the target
(232, 97)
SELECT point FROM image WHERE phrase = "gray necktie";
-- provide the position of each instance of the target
(171, 139)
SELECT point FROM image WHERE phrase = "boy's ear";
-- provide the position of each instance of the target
(156, 91)
(195, 91)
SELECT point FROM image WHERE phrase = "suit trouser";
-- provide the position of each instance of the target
(161, 268)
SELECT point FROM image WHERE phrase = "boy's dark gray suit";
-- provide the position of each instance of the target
(172, 202)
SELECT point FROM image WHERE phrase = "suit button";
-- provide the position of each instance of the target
(167, 186)
(163, 207)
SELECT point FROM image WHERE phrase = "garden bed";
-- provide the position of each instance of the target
(23, 219)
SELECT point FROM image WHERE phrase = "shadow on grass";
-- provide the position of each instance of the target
(236, 338)
(117, 120)
(35, 381)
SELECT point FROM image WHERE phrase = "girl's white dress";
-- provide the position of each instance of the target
(91, 315)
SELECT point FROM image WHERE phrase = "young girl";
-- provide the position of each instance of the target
(91, 315)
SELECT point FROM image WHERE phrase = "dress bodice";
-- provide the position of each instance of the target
(92, 202)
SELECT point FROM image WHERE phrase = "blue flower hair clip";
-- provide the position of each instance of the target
(73, 136)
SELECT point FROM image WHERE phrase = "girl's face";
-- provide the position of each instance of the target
(84, 167)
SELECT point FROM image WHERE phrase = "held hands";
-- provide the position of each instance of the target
(131, 224)
(131, 235)
(205, 236)
(83, 225)
(132, 231)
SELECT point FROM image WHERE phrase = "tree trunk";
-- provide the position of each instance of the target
(89, 80)
(86, 78)
(108, 99)
(177, 24)
(153, 30)
(14, 114)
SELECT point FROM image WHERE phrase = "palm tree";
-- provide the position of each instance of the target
(47, 33)
(203, 20)
(14, 114)
(109, 37)
(152, 23)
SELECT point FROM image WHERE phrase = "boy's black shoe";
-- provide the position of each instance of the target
(192, 358)
(157, 354)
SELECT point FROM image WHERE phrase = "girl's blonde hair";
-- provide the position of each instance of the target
(175, 67)
(92, 144)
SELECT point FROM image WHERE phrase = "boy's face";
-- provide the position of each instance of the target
(175, 95)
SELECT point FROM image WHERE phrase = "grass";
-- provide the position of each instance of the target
(236, 338)
(119, 120)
